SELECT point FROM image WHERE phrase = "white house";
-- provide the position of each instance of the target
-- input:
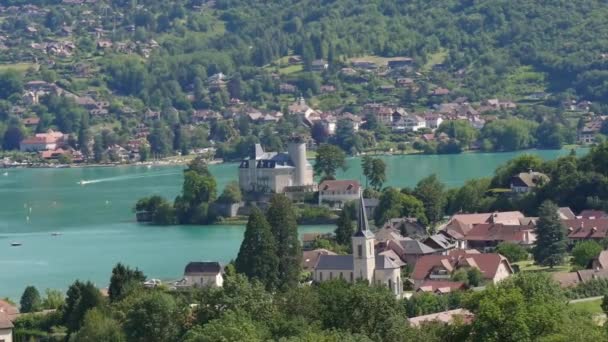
(409, 123)
(6, 328)
(364, 263)
(433, 121)
(335, 193)
(203, 274)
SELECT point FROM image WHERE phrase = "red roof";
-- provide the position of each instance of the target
(487, 263)
(340, 185)
(433, 285)
(498, 232)
(585, 228)
(593, 214)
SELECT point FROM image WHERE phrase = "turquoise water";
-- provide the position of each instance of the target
(98, 230)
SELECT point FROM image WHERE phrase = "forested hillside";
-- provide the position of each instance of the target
(141, 60)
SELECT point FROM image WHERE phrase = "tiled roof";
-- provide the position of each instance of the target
(335, 262)
(587, 228)
(203, 267)
(310, 258)
(5, 321)
(568, 279)
(340, 185)
(384, 262)
(444, 317)
(432, 285)
(487, 263)
(498, 232)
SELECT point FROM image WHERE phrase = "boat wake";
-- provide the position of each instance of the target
(124, 178)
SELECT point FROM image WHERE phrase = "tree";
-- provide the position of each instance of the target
(231, 194)
(124, 278)
(232, 326)
(99, 327)
(257, 257)
(378, 174)
(80, 298)
(319, 133)
(513, 252)
(585, 251)
(282, 219)
(153, 317)
(12, 138)
(10, 83)
(30, 300)
(394, 204)
(345, 227)
(366, 165)
(431, 192)
(328, 160)
(550, 247)
(53, 300)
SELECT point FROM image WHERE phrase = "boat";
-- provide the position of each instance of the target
(55, 233)
(5, 174)
(16, 244)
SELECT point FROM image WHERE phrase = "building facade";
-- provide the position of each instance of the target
(272, 172)
(364, 263)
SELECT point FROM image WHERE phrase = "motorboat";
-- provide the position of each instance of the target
(16, 244)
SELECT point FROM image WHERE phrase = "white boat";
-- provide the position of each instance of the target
(5, 174)
(55, 233)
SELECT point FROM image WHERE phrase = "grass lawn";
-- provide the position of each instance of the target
(434, 59)
(523, 81)
(593, 306)
(529, 266)
(291, 69)
(20, 67)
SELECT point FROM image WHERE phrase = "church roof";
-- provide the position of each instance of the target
(362, 223)
(335, 262)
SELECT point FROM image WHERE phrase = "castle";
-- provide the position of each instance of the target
(273, 172)
(383, 269)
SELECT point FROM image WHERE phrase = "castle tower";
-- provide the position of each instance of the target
(364, 259)
(297, 153)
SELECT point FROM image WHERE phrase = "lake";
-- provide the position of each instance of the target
(98, 228)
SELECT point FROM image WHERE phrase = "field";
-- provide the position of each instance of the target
(529, 266)
(20, 67)
(434, 59)
(592, 307)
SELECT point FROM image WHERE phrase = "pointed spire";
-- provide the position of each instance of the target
(362, 223)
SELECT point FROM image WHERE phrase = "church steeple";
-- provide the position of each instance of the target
(362, 223)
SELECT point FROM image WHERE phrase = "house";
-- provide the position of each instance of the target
(460, 224)
(6, 328)
(572, 279)
(404, 82)
(581, 229)
(407, 227)
(274, 172)
(408, 250)
(591, 214)
(441, 287)
(440, 242)
(493, 266)
(590, 130)
(600, 262)
(432, 120)
(310, 258)
(292, 60)
(31, 122)
(42, 142)
(362, 64)
(300, 108)
(364, 264)
(336, 193)
(286, 88)
(409, 123)
(527, 181)
(203, 274)
(446, 317)
(440, 92)
(489, 235)
(319, 65)
(400, 62)
(308, 239)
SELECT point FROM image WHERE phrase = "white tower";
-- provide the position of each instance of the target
(364, 259)
(297, 152)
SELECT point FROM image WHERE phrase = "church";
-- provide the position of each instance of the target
(383, 269)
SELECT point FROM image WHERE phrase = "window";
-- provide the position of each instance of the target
(320, 276)
(341, 276)
(360, 251)
(351, 277)
(390, 284)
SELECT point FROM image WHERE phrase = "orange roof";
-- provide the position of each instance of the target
(487, 263)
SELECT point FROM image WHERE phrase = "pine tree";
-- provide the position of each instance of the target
(345, 225)
(30, 300)
(551, 236)
(257, 256)
(123, 279)
(283, 224)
